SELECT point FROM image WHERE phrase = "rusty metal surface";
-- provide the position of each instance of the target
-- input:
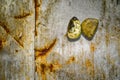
(98, 59)
(34, 45)
(17, 23)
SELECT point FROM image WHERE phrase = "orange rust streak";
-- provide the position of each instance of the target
(92, 48)
(22, 16)
(42, 66)
(90, 67)
(54, 66)
(4, 27)
(88, 63)
(45, 51)
(37, 11)
(70, 60)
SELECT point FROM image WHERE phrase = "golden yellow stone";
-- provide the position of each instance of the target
(89, 27)
(74, 29)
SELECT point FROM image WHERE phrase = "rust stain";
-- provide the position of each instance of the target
(42, 65)
(70, 60)
(43, 68)
(2, 43)
(90, 67)
(37, 5)
(16, 50)
(88, 63)
(3, 25)
(54, 66)
(24, 15)
(37, 12)
(92, 47)
(46, 50)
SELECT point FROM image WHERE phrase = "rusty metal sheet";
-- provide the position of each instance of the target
(59, 59)
(17, 23)
(34, 44)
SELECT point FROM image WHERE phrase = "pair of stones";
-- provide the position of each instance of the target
(87, 28)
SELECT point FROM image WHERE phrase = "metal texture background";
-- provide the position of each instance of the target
(33, 42)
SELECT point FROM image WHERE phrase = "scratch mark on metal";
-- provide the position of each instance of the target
(3, 25)
(24, 15)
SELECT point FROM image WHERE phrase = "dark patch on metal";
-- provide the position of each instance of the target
(16, 50)
(1, 45)
(24, 15)
(118, 2)
(37, 5)
(70, 3)
(103, 10)
(43, 66)
(51, 67)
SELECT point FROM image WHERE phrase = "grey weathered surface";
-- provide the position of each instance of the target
(98, 59)
(17, 23)
(59, 59)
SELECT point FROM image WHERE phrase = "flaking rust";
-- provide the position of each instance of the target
(44, 51)
(24, 15)
(42, 65)
(38, 3)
